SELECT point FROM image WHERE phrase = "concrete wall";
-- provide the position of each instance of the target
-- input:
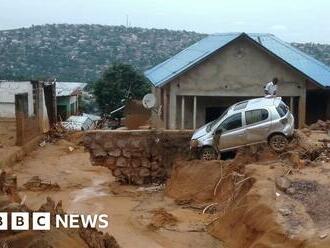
(8, 90)
(241, 69)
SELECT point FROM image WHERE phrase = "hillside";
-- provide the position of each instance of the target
(318, 51)
(82, 52)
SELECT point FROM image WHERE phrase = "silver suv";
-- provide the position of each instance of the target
(260, 120)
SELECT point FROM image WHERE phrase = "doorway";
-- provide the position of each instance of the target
(213, 113)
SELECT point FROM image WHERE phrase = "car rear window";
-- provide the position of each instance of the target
(254, 116)
(282, 109)
(240, 105)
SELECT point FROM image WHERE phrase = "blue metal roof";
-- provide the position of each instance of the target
(181, 62)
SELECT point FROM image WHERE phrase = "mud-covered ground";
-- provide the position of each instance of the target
(138, 218)
(258, 199)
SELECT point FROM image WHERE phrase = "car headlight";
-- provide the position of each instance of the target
(193, 143)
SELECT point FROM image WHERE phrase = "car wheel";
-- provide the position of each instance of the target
(278, 142)
(208, 153)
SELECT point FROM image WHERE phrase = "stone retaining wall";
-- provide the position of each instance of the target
(139, 156)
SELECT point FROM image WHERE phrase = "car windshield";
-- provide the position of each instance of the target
(212, 123)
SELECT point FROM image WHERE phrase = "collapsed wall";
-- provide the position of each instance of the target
(138, 156)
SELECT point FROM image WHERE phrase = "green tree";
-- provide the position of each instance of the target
(119, 83)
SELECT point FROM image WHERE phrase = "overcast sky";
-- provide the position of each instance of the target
(291, 20)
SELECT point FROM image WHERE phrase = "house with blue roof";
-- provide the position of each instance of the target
(196, 85)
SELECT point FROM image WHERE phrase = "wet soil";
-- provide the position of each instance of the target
(91, 189)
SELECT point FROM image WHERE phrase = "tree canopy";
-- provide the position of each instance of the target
(119, 83)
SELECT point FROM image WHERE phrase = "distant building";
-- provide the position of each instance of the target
(67, 94)
(196, 85)
(25, 108)
(8, 90)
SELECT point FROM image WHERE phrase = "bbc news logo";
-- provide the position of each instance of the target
(41, 221)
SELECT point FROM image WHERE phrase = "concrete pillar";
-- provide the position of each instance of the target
(291, 104)
(40, 105)
(172, 108)
(302, 109)
(195, 112)
(165, 107)
(182, 111)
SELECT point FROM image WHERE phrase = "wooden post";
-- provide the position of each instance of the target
(21, 112)
(20, 129)
(195, 112)
(182, 111)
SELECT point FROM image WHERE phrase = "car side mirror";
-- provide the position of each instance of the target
(218, 132)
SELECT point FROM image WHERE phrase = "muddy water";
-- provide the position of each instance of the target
(86, 189)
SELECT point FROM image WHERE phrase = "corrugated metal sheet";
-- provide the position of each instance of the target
(171, 68)
(69, 88)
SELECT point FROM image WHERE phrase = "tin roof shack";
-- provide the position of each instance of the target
(196, 85)
(67, 94)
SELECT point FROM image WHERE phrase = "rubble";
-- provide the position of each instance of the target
(162, 218)
(36, 184)
(320, 125)
(10, 202)
(323, 235)
(282, 183)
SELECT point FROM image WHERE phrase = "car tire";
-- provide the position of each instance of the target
(208, 153)
(278, 142)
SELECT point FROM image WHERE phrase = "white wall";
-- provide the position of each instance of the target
(7, 97)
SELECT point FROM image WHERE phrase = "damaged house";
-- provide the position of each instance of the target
(196, 85)
(26, 110)
(67, 96)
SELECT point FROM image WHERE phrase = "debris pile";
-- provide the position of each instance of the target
(264, 198)
(138, 157)
(304, 151)
(81, 237)
(320, 125)
(315, 198)
(161, 218)
(136, 116)
(36, 184)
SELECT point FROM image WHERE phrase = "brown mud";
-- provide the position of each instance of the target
(91, 189)
(258, 199)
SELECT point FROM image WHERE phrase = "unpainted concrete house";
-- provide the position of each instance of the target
(198, 84)
(27, 109)
(8, 90)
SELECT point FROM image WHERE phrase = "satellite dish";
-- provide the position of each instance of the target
(149, 101)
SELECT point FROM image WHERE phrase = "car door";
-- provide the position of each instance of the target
(233, 133)
(258, 124)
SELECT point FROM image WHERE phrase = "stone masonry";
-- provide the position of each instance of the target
(139, 156)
